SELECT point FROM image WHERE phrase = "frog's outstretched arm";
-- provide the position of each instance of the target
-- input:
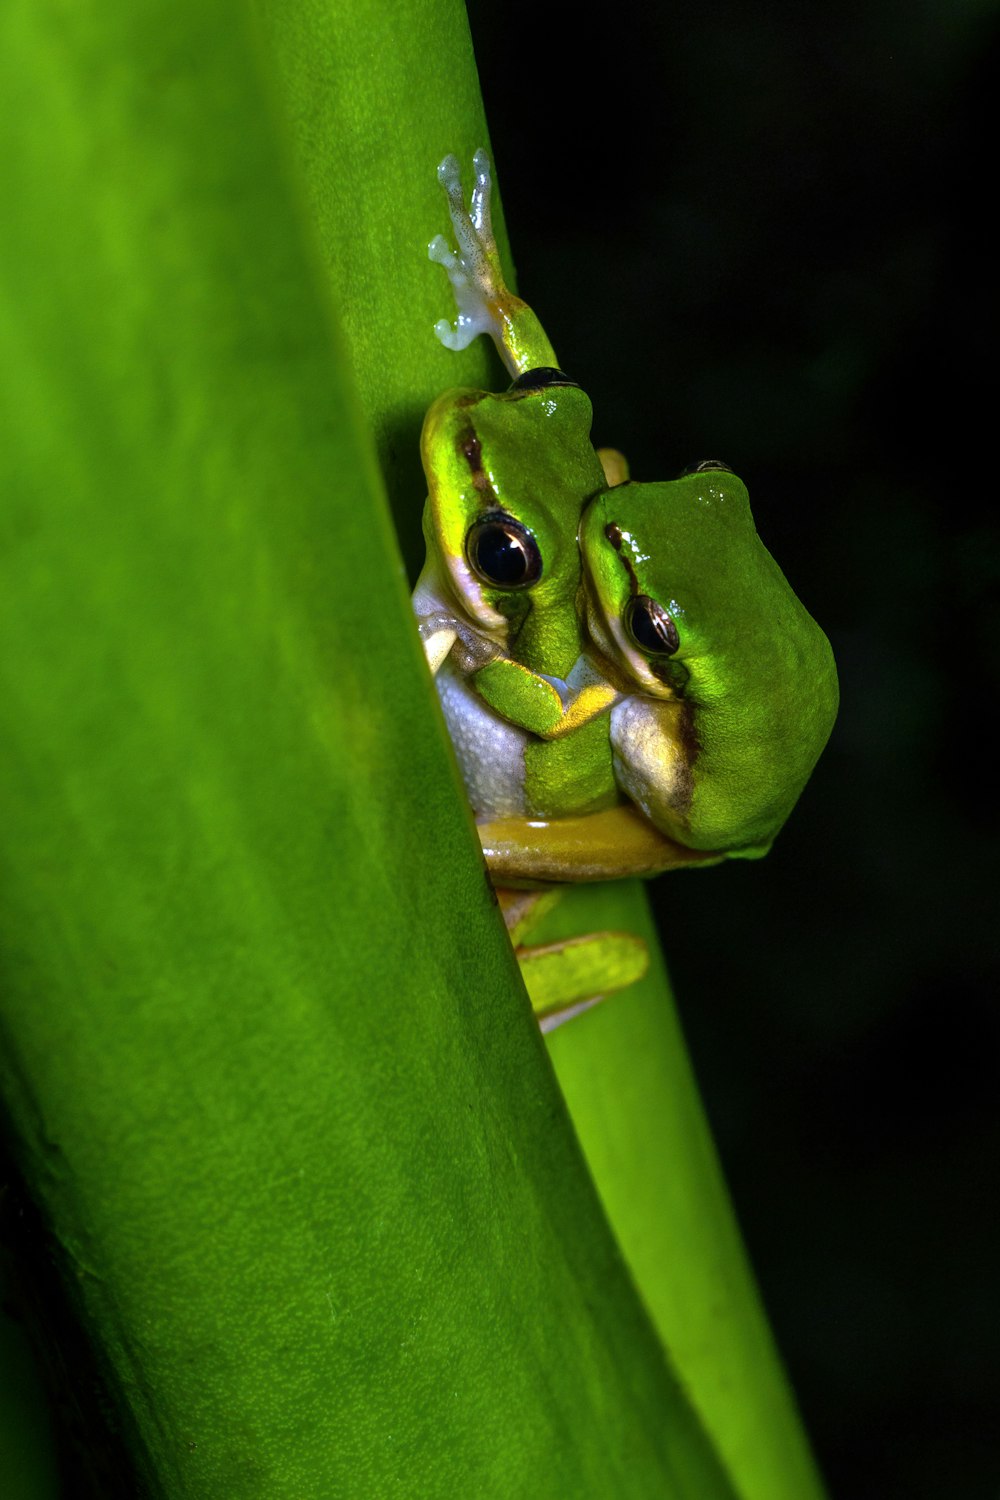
(484, 303)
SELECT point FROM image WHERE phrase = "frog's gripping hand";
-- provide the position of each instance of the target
(484, 303)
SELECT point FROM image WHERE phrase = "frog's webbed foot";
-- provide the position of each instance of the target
(565, 978)
(474, 272)
(484, 303)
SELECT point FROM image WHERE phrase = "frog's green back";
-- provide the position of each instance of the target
(754, 672)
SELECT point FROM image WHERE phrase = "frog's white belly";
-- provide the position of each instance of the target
(490, 751)
(649, 761)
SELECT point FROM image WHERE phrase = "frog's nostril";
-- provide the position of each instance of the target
(613, 532)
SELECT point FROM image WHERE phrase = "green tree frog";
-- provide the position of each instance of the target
(629, 682)
(498, 601)
(732, 685)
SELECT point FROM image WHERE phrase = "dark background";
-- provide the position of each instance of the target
(763, 234)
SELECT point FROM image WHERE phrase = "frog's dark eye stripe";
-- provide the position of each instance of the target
(545, 375)
(650, 627)
(503, 553)
(706, 466)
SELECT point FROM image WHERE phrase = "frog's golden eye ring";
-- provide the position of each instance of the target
(503, 553)
(533, 380)
(706, 466)
(650, 627)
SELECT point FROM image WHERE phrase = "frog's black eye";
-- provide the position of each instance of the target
(706, 466)
(532, 380)
(650, 626)
(504, 553)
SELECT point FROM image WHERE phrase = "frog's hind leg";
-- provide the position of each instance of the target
(484, 302)
(567, 977)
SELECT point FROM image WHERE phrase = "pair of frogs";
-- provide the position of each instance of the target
(629, 681)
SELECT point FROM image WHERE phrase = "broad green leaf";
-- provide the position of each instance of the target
(269, 1065)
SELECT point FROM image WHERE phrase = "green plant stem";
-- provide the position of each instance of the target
(635, 1105)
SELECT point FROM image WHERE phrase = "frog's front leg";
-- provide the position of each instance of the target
(533, 702)
(566, 977)
(485, 305)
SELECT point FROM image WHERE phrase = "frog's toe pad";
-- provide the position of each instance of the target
(448, 335)
(449, 175)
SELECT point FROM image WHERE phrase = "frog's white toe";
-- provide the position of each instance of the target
(473, 277)
(441, 253)
(450, 177)
(458, 336)
(437, 643)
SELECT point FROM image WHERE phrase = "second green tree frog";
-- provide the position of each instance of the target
(733, 689)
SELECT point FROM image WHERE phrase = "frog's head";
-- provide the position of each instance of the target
(685, 598)
(507, 477)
